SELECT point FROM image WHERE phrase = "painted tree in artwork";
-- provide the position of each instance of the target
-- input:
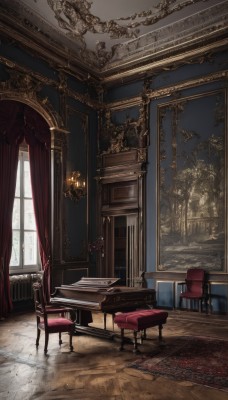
(192, 182)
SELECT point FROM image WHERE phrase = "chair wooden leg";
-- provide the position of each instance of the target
(60, 339)
(46, 342)
(38, 337)
(180, 302)
(71, 346)
(206, 305)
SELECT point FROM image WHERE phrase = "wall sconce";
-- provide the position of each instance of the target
(75, 186)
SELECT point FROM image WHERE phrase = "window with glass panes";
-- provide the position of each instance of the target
(24, 257)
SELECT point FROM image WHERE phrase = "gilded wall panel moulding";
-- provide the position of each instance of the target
(37, 81)
(142, 155)
(84, 98)
(6, 62)
(150, 94)
(124, 103)
(56, 204)
(58, 139)
(168, 91)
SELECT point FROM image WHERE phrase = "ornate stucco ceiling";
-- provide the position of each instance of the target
(105, 37)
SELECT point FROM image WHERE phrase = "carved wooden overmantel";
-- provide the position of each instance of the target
(121, 171)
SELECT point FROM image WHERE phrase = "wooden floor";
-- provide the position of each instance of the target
(96, 369)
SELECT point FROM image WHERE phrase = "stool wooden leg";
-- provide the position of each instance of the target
(160, 327)
(143, 335)
(122, 340)
(135, 350)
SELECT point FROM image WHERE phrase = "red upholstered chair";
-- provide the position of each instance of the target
(195, 287)
(50, 319)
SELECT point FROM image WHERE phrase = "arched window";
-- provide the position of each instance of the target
(25, 254)
(19, 122)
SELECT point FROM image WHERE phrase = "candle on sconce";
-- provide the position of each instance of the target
(75, 186)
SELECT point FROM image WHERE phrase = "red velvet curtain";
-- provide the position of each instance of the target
(10, 137)
(37, 135)
(16, 122)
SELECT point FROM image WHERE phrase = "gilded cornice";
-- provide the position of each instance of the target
(168, 62)
(28, 36)
(186, 32)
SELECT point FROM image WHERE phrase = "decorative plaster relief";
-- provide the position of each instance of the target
(175, 35)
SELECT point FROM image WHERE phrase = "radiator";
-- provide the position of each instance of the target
(21, 286)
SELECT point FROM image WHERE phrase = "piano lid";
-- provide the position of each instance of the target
(96, 282)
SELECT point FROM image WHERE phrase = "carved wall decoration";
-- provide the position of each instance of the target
(192, 231)
(76, 19)
(132, 134)
(81, 37)
(29, 84)
(24, 87)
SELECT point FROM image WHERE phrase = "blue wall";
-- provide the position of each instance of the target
(66, 98)
(196, 88)
(200, 79)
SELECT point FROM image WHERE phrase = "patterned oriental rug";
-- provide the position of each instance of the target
(201, 360)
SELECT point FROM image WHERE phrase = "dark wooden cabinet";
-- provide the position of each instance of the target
(121, 209)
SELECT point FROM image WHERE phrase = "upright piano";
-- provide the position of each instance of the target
(100, 295)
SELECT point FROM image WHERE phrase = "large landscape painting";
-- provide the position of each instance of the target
(192, 188)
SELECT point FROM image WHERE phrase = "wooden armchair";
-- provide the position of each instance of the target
(50, 319)
(194, 287)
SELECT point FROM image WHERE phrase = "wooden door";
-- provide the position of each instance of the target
(121, 248)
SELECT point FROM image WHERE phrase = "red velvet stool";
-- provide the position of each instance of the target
(140, 320)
